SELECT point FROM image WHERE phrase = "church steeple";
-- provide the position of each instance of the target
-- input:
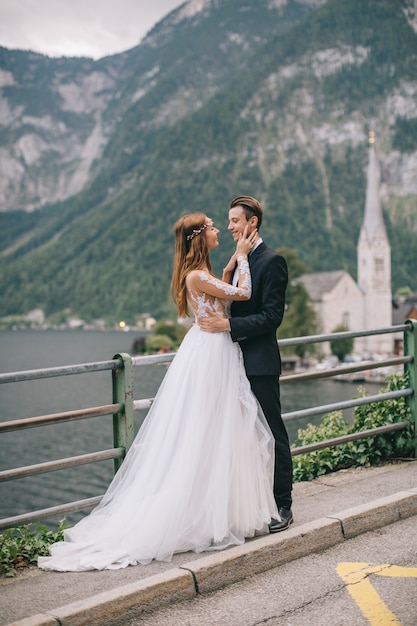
(373, 220)
(374, 260)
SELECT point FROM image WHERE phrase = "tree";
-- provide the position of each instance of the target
(342, 346)
(159, 343)
(300, 318)
(173, 330)
(403, 291)
(296, 267)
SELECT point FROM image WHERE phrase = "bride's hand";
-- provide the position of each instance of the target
(246, 242)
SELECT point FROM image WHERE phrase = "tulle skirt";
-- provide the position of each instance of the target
(199, 475)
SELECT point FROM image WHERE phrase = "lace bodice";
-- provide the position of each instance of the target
(207, 293)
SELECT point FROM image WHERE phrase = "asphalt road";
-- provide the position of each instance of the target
(369, 580)
(298, 576)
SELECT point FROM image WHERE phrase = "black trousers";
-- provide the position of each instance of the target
(266, 390)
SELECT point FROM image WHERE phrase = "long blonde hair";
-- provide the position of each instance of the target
(191, 253)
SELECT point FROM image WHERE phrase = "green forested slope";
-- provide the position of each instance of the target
(107, 252)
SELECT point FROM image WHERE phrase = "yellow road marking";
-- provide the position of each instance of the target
(356, 576)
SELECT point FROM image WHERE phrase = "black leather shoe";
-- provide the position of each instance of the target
(277, 526)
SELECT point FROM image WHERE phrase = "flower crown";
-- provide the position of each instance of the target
(196, 232)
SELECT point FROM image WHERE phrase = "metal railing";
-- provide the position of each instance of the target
(123, 407)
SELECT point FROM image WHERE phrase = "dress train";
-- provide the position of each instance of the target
(197, 477)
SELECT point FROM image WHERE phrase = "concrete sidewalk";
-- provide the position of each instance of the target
(327, 511)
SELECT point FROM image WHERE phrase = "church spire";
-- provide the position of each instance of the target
(373, 220)
(374, 262)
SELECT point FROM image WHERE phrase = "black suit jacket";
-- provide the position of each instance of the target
(254, 322)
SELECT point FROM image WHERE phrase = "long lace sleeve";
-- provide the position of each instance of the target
(207, 283)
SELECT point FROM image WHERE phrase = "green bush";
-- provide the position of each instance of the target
(176, 332)
(155, 343)
(309, 466)
(395, 444)
(365, 452)
(165, 336)
(21, 546)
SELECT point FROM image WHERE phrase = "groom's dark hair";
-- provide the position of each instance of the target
(251, 207)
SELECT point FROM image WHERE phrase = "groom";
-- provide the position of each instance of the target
(253, 324)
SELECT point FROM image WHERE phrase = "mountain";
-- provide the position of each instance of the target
(58, 116)
(274, 99)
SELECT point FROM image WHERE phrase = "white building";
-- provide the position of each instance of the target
(338, 299)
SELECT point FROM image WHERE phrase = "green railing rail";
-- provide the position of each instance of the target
(123, 407)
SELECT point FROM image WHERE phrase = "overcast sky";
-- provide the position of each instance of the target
(94, 28)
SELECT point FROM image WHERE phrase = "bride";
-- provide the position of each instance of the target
(199, 474)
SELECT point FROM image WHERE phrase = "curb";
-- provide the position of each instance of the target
(221, 569)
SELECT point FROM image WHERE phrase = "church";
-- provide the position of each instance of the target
(335, 296)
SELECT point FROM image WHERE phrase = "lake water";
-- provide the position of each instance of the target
(25, 350)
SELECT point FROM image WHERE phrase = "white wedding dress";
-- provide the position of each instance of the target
(199, 474)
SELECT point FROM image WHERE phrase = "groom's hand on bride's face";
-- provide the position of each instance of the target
(214, 323)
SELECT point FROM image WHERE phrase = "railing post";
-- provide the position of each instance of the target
(410, 349)
(123, 424)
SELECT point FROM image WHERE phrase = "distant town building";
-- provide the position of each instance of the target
(367, 303)
(404, 308)
(36, 317)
